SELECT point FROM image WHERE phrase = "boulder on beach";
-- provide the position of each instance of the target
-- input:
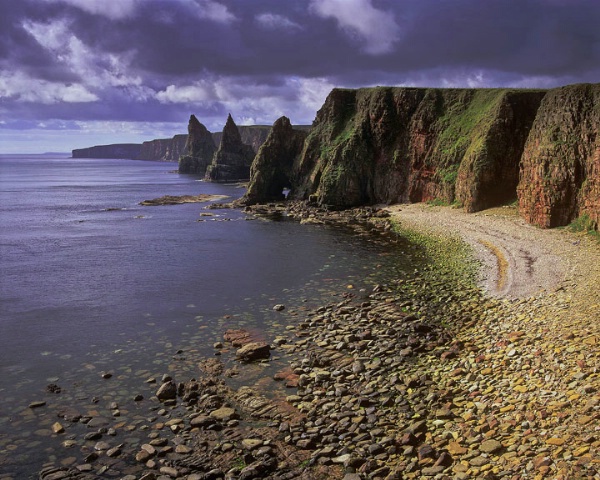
(254, 351)
(167, 391)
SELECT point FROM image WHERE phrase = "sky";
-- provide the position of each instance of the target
(77, 73)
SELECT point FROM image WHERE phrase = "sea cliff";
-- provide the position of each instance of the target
(476, 148)
(560, 169)
(167, 149)
(117, 150)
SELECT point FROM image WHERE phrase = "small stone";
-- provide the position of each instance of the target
(169, 471)
(251, 443)
(167, 391)
(102, 446)
(479, 461)
(279, 307)
(223, 414)
(183, 449)
(254, 351)
(37, 404)
(57, 428)
(490, 446)
(454, 448)
(143, 456)
(431, 471)
(202, 421)
(305, 443)
(341, 459)
(114, 452)
(555, 441)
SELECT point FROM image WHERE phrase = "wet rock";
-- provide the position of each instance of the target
(224, 414)
(254, 351)
(167, 391)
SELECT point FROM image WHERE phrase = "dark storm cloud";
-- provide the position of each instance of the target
(159, 60)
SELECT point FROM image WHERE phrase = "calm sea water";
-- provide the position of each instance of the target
(89, 279)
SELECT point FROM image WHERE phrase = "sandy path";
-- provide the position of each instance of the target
(519, 260)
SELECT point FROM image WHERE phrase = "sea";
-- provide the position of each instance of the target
(99, 293)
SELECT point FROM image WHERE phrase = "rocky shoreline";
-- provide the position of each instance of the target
(423, 377)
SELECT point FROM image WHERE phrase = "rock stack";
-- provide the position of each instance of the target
(199, 149)
(232, 160)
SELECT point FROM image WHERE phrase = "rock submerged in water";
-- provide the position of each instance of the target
(176, 200)
(254, 351)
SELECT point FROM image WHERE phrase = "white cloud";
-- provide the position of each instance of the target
(18, 86)
(378, 29)
(113, 9)
(272, 21)
(312, 92)
(198, 92)
(214, 11)
(251, 102)
(97, 70)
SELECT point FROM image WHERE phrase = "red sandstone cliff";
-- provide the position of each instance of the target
(473, 147)
(560, 169)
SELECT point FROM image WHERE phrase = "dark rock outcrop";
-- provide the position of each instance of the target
(560, 171)
(166, 149)
(199, 149)
(232, 160)
(253, 135)
(272, 169)
(388, 145)
(475, 147)
(117, 150)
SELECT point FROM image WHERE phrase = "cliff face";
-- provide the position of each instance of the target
(199, 149)
(167, 149)
(388, 145)
(117, 150)
(273, 167)
(560, 171)
(232, 160)
(477, 148)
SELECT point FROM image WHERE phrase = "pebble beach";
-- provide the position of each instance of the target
(439, 374)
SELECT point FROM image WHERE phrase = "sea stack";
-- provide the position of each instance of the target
(272, 169)
(199, 149)
(232, 160)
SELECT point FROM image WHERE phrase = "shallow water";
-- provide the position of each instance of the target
(90, 281)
